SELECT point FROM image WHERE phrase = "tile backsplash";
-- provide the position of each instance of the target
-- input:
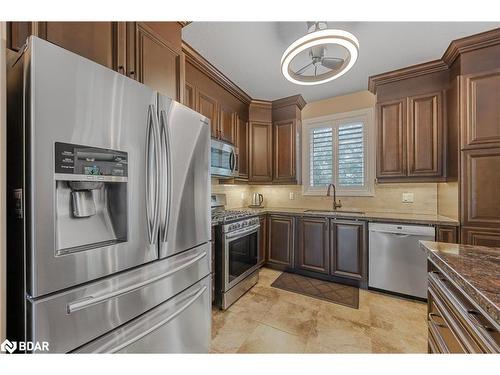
(387, 197)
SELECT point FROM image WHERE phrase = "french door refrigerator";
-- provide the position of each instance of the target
(108, 217)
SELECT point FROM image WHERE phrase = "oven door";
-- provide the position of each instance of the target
(223, 159)
(241, 251)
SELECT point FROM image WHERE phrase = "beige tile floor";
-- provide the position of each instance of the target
(271, 320)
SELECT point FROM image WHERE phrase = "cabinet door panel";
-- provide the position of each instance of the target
(260, 152)
(242, 144)
(227, 124)
(189, 96)
(480, 237)
(313, 248)
(157, 64)
(263, 239)
(280, 251)
(391, 147)
(481, 93)
(480, 182)
(284, 151)
(425, 135)
(447, 234)
(207, 106)
(348, 249)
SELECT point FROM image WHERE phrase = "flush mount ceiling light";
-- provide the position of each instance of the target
(324, 68)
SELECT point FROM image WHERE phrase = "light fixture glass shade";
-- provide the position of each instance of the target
(316, 38)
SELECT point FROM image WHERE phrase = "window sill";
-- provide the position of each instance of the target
(340, 193)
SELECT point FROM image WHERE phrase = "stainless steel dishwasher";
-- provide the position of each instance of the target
(396, 262)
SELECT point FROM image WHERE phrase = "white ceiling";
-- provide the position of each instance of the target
(249, 53)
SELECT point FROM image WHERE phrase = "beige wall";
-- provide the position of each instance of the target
(3, 212)
(339, 104)
(448, 199)
(237, 195)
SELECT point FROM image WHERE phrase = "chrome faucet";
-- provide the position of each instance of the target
(335, 204)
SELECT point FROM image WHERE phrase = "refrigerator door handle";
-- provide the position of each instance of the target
(152, 175)
(88, 301)
(167, 177)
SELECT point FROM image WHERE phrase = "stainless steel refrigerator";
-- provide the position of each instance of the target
(108, 217)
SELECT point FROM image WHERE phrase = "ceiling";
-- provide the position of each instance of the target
(249, 53)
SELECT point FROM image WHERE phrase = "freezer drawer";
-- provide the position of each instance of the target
(396, 263)
(70, 319)
(179, 325)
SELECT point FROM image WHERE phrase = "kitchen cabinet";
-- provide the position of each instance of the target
(227, 124)
(207, 106)
(242, 135)
(481, 112)
(410, 138)
(189, 96)
(260, 151)
(480, 236)
(156, 59)
(391, 145)
(348, 249)
(284, 152)
(263, 239)
(455, 323)
(281, 241)
(447, 234)
(313, 248)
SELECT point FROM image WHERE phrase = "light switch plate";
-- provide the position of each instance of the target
(407, 198)
(291, 196)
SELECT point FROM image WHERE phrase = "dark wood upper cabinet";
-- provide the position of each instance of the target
(263, 239)
(313, 248)
(391, 147)
(260, 152)
(207, 106)
(348, 249)
(242, 130)
(17, 33)
(480, 200)
(425, 135)
(284, 152)
(447, 234)
(189, 96)
(157, 62)
(227, 124)
(481, 109)
(281, 241)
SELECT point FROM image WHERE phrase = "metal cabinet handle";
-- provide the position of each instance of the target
(473, 314)
(88, 301)
(431, 318)
(172, 316)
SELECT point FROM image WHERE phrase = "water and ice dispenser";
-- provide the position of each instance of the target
(91, 197)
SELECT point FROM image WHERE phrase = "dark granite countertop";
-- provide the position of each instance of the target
(387, 217)
(475, 269)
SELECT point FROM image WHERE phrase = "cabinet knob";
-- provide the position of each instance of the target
(121, 69)
(131, 74)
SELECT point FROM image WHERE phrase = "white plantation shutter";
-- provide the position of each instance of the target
(321, 156)
(351, 156)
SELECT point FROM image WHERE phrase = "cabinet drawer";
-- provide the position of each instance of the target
(476, 332)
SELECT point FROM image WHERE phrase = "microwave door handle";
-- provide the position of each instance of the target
(232, 163)
(167, 175)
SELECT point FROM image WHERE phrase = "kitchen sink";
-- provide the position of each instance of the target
(339, 212)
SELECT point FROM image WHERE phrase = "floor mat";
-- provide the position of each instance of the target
(345, 295)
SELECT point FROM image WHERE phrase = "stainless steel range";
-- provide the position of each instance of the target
(236, 251)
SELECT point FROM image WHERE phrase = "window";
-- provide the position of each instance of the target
(337, 149)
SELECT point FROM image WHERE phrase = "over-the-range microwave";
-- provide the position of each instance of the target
(224, 159)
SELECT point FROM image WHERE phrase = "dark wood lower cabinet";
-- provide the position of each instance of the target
(313, 249)
(348, 249)
(480, 236)
(447, 234)
(263, 239)
(281, 241)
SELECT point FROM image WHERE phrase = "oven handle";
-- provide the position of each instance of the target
(242, 232)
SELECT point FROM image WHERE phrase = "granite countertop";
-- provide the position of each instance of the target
(476, 269)
(388, 217)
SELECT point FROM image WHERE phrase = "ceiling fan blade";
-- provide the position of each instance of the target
(301, 70)
(331, 62)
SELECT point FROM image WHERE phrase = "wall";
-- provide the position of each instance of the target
(3, 212)
(233, 194)
(448, 199)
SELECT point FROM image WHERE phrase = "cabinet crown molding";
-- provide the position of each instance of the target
(454, 50)
(198, 61)
(297, 100)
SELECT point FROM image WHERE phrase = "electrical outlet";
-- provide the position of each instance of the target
(291, 196)
(407, 198)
